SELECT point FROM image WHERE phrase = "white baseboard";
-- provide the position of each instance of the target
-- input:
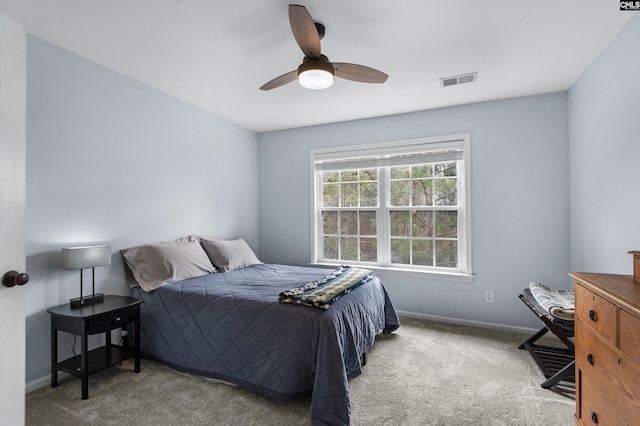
(38, 383)
(470, 323)
(42, 382)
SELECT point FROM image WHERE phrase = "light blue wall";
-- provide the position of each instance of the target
(604, 146)
(519, 191)
(111, 161)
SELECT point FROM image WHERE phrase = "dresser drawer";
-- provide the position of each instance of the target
(112, 320)
(596, 313)
(629, 339)
(604, 372)
(594, 357)
(611, 403)
(594, 407)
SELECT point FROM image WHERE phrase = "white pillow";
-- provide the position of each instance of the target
(154, 265)
(229, 255)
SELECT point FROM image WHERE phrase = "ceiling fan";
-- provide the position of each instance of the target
(316, 72)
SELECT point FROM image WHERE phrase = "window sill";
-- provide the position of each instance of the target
(380, 270)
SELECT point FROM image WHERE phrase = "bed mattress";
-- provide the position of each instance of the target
(230, 326)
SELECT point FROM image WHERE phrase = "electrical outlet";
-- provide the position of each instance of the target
(488, 297)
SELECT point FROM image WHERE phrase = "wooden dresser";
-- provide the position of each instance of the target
(607, 349)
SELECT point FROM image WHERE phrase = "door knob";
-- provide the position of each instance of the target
(12, 278)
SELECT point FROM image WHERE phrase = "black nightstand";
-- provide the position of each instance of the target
(114, 312)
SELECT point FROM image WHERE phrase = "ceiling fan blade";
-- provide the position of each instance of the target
(304, 30)
(280, 81)
(359, 73)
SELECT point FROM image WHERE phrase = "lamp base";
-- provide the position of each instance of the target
(79, 302)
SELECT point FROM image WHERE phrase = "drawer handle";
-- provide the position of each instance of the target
(594, 418)
(117, 319)
(592, 315)
(590, 359)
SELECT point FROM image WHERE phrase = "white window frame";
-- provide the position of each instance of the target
(426, 144)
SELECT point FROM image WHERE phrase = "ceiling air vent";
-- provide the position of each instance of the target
(459, 79)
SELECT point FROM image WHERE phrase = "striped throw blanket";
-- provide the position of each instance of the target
(324, 292)
(559, 303)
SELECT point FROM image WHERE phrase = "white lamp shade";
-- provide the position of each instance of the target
(86, 257)
(315, 79)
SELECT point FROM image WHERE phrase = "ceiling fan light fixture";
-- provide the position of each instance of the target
(316, 73)
(315, 79)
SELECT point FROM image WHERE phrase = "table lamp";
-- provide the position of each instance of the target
(86, 257)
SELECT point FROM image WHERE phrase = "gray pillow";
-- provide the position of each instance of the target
(229, 255)
(154, 265)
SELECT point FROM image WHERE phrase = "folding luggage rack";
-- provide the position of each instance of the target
(556, 363)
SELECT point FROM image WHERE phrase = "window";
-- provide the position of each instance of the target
(400, 205)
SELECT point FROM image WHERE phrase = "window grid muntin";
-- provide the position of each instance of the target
(435, 172)
(436, 145)
(386, 255)
(340, 234)
(433, 180)
(360, 179)
(433, 239)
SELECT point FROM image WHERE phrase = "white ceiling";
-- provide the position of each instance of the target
(216, 54)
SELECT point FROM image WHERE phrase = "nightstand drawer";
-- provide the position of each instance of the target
(596, 313)
(112, 320)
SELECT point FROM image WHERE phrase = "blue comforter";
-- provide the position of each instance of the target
(230, 326)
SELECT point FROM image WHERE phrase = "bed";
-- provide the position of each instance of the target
(232, 326)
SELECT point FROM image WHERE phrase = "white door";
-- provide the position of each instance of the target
(12, 212)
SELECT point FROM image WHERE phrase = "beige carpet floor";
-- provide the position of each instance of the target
(425, 373)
